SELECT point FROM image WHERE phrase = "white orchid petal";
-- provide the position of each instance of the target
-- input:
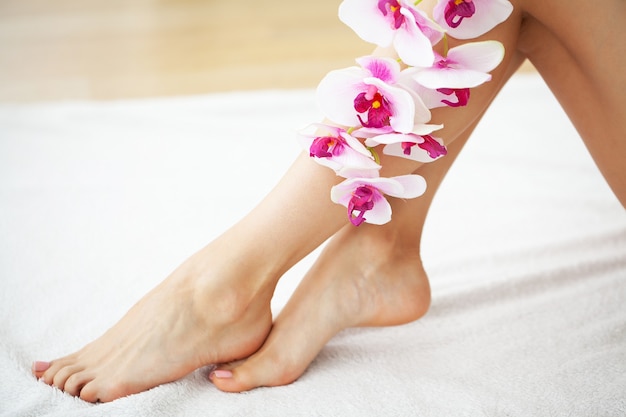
(425, 129)
(452, 78)
(341, 193)
(385, 69)
(413, 47)
(336, 92)
(366, 20)
(489, 14)
(478, 56)
(413, 186)
(422, 112)
(380, 213)
(417, 154)
(356, 145)
(389, 138)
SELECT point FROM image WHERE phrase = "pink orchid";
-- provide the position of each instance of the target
(393, 22)
(333, 147)
(466, 19)
(365, 200)
(372, 96)
(421, 147)
(450, 78)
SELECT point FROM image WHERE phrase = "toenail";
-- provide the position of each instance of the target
(221, 374)
(40, 366)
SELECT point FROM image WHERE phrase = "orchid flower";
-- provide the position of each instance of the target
(364, 197)
(450, 78)
(393, 22)
(420, 147)
(370, 96)
(334, 148)
(466, 19)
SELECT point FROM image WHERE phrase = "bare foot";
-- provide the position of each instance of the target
(366, 276)
(190, 320)
(360, 279)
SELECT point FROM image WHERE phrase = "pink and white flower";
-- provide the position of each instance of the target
(393, 22)
(466, 19)
(365, 197)
(370, 96)
(422, 147)
(450, 78)
(334, 148)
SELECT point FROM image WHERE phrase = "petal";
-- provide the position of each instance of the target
(366, 20)
(412, 186)
(417, 153)
(353, 164)
(401, 102)
(434, 78)
(380, 213)
(389, 138)
(412, 46)
(385, 69)
(478, 56)
(341, 193)
(336, 92)
(431, 98)
(489, 13)
(422, 112)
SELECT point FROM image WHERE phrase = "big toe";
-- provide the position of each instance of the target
(258, 371)
(39, 367)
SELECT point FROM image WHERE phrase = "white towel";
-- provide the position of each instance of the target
(525, 247)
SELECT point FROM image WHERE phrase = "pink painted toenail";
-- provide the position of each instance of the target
(39, 366)
(221, 374)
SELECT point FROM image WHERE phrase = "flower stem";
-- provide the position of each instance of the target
(417, 2)
(374, 154)
(445, 45)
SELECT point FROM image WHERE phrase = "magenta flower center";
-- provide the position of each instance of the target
(375, 105)
(407, 147)
(391, 9)
(433, 147)
(326, 147)
(462, 96)
(457, 10)
(362, 200)
(430, 145)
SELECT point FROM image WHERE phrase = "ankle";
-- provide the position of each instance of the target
(390, 242)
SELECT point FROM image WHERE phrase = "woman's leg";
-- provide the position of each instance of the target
(578, 50)
(366, 276)
(215, 307)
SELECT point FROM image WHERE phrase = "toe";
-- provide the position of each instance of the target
(261, 370)
(104, 390)
(61, 377)
(55, 366)
(39, 367)
(237, 379)
(90, 392)
(75, 383)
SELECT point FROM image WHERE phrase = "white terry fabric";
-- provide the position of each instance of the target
(525, 246)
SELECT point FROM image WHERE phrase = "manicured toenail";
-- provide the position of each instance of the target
(40, 366)
(221, 374)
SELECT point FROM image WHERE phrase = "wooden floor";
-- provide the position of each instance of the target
(109, 49)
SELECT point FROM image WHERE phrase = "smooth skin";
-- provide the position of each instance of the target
(211, 312)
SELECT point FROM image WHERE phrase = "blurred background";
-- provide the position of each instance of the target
(114, 49)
